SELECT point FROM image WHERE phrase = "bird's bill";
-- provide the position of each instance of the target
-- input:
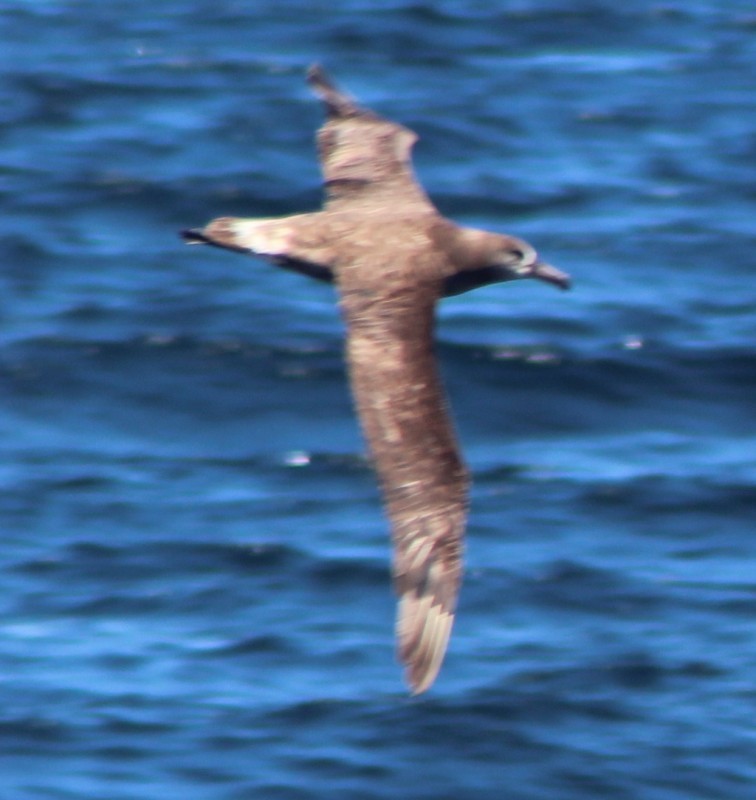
(546, 272)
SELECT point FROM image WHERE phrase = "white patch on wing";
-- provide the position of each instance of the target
(418, 552)
(272, 237)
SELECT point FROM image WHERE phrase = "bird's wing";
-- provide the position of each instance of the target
(364, 158)
(300, 242)
(402, 409)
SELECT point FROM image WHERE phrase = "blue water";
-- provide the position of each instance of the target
(194, 564)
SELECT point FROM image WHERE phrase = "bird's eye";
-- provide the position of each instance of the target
(517, 254)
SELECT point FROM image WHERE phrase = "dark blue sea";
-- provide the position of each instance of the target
(194, 565)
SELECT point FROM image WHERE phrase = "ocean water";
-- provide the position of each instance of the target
(196, 599)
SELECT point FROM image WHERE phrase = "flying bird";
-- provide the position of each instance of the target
(392, 256)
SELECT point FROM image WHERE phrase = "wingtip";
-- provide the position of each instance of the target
(420, 677)
(221, 232)
(423, 632)
(193, 236)
(420, 685)
(318, 79)
(337, 102)
(316, 74)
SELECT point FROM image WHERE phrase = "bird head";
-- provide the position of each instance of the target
(495, 258)
(517, 259)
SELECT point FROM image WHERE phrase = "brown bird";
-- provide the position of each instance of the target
(392, 256)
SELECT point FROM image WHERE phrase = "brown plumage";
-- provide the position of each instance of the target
(392, 256)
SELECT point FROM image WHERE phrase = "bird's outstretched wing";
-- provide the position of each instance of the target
(364, 158)
(402, 409)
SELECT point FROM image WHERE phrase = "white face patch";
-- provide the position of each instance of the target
(524, 264)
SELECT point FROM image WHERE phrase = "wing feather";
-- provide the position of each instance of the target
(402, 409)
(363, 157)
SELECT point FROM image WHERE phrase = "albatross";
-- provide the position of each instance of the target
(391, 255)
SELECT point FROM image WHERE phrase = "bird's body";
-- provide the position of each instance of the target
(392, 256)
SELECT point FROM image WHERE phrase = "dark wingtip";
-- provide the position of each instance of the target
(193, 236)
(337, 103)
(316, 74)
